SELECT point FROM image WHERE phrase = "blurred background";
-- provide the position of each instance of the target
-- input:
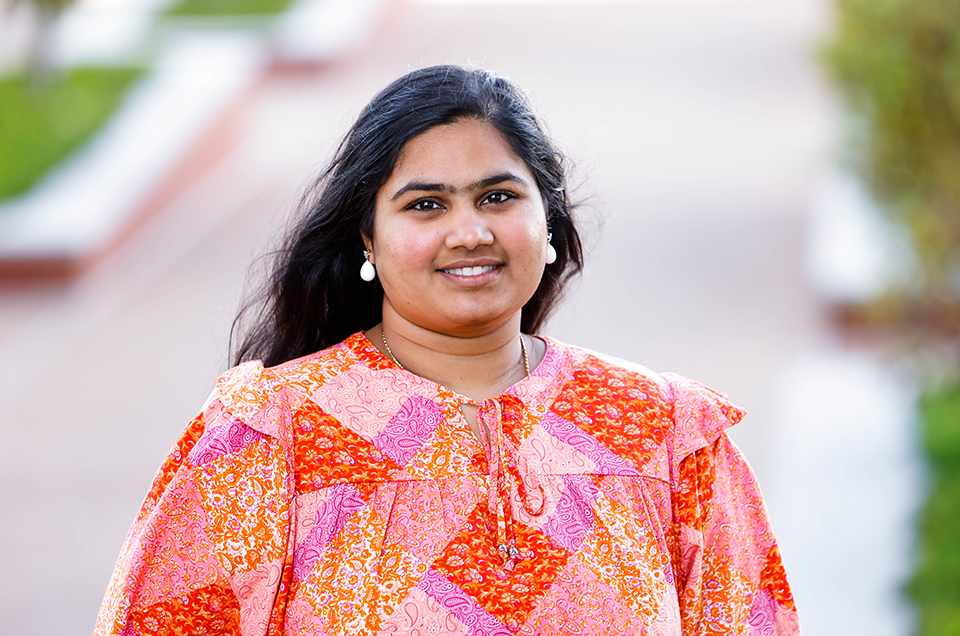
(770, 198)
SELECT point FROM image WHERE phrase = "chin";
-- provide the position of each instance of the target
(470, 324)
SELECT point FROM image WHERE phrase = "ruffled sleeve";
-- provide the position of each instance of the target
(209, 550)
(727, 567)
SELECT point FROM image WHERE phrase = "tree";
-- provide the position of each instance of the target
(898, 65)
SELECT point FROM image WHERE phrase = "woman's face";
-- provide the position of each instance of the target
(460, 232)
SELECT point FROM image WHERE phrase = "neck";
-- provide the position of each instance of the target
(479, 366)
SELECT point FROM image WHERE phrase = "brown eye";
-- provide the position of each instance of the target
(498, 197)
(424, 205)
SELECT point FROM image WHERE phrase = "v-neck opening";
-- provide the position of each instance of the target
(540, 386)
(514, 389)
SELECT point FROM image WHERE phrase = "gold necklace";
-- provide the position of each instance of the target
(526, 361)
(383, 334)
(523, 348)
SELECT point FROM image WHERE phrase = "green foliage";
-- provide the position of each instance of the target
(42, 124)
(49, 6)
(935, 587)
(54, 6)
(898, 63)
(228, 7)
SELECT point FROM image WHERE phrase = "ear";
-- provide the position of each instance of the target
(367, 244)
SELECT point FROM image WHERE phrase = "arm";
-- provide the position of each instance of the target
(729, 575)
(731, 579)
(208, 550)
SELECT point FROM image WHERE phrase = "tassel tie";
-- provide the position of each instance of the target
(501, 457)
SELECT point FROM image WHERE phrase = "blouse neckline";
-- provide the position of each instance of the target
(529, 386)
(492, 415)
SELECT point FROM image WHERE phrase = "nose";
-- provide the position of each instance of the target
(468, 228)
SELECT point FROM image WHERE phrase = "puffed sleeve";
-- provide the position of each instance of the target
(208, 552)
(729, 575)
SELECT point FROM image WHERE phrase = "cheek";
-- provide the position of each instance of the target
(530, 239)
(407, 252)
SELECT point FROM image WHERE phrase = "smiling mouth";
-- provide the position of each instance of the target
(470, 271)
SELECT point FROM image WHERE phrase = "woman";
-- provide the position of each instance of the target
(408, 459)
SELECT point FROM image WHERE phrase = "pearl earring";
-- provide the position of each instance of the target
(551, 252)
(367, 272)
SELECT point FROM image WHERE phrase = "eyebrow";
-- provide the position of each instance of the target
(419, 186)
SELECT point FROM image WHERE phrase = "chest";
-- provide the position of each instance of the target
(411, 553)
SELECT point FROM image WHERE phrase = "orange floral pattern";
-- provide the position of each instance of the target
(339, 494)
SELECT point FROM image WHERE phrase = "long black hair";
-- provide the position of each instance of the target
(314, 297)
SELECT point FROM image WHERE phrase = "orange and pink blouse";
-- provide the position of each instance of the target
(340, 494)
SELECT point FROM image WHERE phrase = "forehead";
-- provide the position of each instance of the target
(464, 149)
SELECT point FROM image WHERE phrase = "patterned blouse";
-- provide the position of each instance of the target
(340, 494)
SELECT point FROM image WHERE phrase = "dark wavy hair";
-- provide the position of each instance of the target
(314, 296)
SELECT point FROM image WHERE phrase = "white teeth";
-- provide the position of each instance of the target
(469, 271)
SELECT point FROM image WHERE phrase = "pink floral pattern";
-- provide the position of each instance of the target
(339, 494)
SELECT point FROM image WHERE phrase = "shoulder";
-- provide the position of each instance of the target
(265, 399)
(700, 414)
(580, 360)
(599, 378)
(666, 409)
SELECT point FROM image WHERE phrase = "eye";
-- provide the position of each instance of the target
(498, 197)
(424, 205)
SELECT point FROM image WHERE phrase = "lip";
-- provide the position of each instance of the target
(472, 280)
(472, 262)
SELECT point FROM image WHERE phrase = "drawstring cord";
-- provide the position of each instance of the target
(502, 467)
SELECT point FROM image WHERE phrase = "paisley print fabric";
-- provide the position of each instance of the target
(339, 494)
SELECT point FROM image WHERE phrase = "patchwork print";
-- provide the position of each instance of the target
(339, 494)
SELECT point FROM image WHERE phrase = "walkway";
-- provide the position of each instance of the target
(698, 130)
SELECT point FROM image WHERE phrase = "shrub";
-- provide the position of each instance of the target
(40, 124)
(898, 65)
